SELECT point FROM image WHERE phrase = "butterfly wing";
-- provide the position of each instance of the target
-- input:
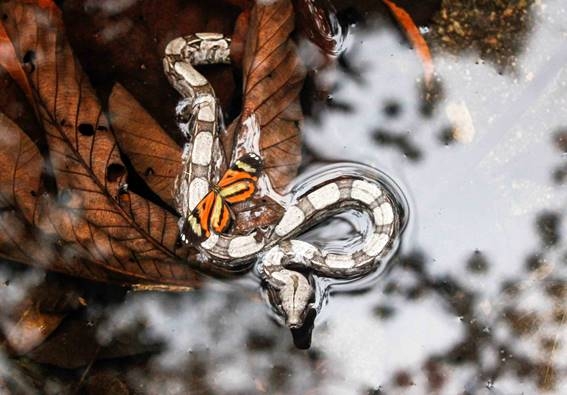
(197, 226)
(238, 184)
(220, 217)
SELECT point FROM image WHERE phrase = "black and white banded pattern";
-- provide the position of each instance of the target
(280, 254)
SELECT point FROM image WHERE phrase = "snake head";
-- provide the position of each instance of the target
(293, 295)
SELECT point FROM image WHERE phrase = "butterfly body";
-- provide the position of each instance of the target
(213, 213)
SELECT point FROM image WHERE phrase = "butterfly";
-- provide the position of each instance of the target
(237, 184)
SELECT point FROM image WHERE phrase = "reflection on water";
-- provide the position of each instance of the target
(476, 301)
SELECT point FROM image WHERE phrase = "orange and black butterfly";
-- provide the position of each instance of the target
(237, 184)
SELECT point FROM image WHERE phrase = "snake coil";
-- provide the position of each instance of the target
(284, 262)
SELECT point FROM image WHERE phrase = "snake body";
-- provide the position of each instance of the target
(284, 261)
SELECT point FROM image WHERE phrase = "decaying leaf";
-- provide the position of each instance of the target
(92, 225)
(157, 158)
(273, 77)
(33, 307)
(415, 37)
(60, 349)
(154, 155)
(317, 20)
(21, 169)
(94, 218)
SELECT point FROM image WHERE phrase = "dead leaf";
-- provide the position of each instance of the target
(107, 382)
(94, 227)
(21, 170)
(273, 77)
(27, 322)
(9, 61)
(415, 37)
(318, 22)
(60, 349)
(149, 147)
(93, 217)
(125, 42)
(154, 155)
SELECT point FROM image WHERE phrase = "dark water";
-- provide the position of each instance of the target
(476, 300)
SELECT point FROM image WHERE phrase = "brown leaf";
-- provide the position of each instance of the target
(155, 156)
(21, 169)
(19, 240)
(93, 215)
(75, 344)
(317, 21)
(149, 148)
(117, 42)
(31, 329)
(9, 62)
(414, 36)
(27, 322)
(106, 382)
(273, 77)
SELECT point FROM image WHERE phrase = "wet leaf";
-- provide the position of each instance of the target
(9, 62)
(27, 322)
(60, 349)
(273, 77)
(157, 159)
(317, 20)
(155, 156)
(93, 214)
(31, 329)
(125, 42)
(21, 169)
(415, 37)
(106, 382)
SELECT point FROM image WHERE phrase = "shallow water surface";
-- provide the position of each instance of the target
(475, 300)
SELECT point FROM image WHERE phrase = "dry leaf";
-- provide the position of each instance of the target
(154, 155)
(26, 321)
(317, 21)
(415, 37)
(94, 218)
(125, 42)
(157, 159)
(60, 349)
(273, 77)
(94, 227)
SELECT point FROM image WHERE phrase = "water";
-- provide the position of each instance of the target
(475, 300)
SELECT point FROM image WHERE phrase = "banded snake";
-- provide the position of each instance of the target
(284, 262)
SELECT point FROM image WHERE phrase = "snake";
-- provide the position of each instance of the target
(285, 264)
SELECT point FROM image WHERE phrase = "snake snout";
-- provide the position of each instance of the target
(295, 298)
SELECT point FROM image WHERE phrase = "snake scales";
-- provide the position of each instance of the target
(284, 262)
